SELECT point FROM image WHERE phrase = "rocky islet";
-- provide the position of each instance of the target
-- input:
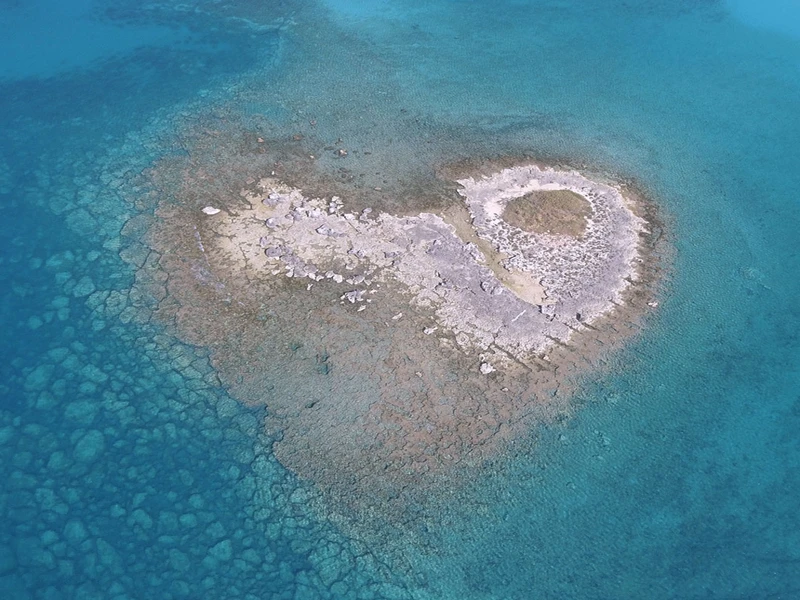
(394, 350)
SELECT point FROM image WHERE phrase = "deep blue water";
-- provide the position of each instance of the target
(126, 470)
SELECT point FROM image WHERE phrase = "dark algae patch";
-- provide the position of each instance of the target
(557, 212)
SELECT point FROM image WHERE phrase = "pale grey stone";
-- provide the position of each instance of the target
(8, 562)
(215, 530)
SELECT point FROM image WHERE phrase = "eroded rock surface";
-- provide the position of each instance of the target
(511, 297)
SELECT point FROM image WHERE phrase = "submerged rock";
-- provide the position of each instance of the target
(8, 562)
(534, 283)
(89, 447)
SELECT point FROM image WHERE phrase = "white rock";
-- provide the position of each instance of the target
(487, 368)
(210, 210)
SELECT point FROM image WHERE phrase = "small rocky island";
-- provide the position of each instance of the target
(533, 255)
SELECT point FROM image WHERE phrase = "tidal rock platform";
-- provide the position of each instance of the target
(394, 352)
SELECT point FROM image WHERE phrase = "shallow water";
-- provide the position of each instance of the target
(127, 469)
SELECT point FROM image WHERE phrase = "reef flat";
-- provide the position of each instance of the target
(394, 351)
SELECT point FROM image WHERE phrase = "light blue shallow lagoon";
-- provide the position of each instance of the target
(127, 471)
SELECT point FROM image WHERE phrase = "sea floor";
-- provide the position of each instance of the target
(133, 466)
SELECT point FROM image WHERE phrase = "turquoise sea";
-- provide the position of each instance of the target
(128, 472)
